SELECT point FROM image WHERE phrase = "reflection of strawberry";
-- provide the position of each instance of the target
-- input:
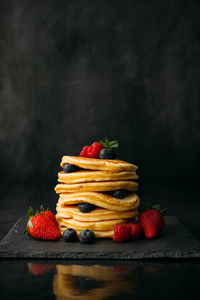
(42, 227)
(119, 269)
(38, 269)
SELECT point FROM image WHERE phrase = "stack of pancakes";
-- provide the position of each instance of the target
(93, 184)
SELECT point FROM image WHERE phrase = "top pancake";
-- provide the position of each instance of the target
(98, 164)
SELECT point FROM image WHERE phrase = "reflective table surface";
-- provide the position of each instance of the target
(88, 279)
(98, 279)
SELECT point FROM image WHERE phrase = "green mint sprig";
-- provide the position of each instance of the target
(109, 144)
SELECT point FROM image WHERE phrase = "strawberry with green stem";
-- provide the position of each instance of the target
(41, 226)
(151, 220)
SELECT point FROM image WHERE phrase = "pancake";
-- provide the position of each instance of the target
(101, 186)
(96, 215)
(95, 176)
(98, 164)
(100, 199)
(101, 225)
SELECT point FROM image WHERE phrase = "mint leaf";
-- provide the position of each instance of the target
(109, 145)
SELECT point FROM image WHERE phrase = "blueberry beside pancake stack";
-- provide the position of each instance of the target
(96, 194)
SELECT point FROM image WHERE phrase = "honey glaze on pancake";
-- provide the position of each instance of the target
(98, 164)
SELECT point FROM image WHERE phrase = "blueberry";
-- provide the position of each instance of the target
(86, 236)
(120, 194)
(68, 168)
(70, 235)
(106, 153)
(86, 207)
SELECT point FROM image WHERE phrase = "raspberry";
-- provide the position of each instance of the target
(94, 150)
(135, 231)
(84, 151)
(121, 233)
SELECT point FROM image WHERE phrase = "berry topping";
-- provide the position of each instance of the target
(135, 231)
(94, 150)
(85, 207)
(70, 235)
(120, 194)
(106, 153)
(121, 233)
(69, 168)
(84, 151)
(109, 151)
(86, 236)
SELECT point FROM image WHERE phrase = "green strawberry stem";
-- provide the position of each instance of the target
(109, 144)
(44, 209)
(30, 212)
(146, 206)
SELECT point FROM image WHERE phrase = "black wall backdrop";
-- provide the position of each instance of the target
(72, 72)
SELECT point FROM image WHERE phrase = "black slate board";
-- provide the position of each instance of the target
(175, 241)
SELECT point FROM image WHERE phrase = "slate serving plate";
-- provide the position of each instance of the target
(175, 241)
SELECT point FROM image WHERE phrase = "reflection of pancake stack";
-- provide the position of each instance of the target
(92, 282)
(93, 184)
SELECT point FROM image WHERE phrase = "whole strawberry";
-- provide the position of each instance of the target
(135, 231)
(121, 233)
(151, 221)
(42, 227)
(49, 214)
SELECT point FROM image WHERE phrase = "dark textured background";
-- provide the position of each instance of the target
(72, 72)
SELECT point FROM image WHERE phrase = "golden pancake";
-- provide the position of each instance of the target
(101, 186)
(88, 176)
(98, 164)
(100, 225)
(98, 214)
(100, 199)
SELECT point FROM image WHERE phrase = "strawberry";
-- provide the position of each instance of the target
(38, 269)
(94, 150)
(42, 227)
(121, 233)
(84, 151)
(49, 214)
(135, 231)
(151, 221)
